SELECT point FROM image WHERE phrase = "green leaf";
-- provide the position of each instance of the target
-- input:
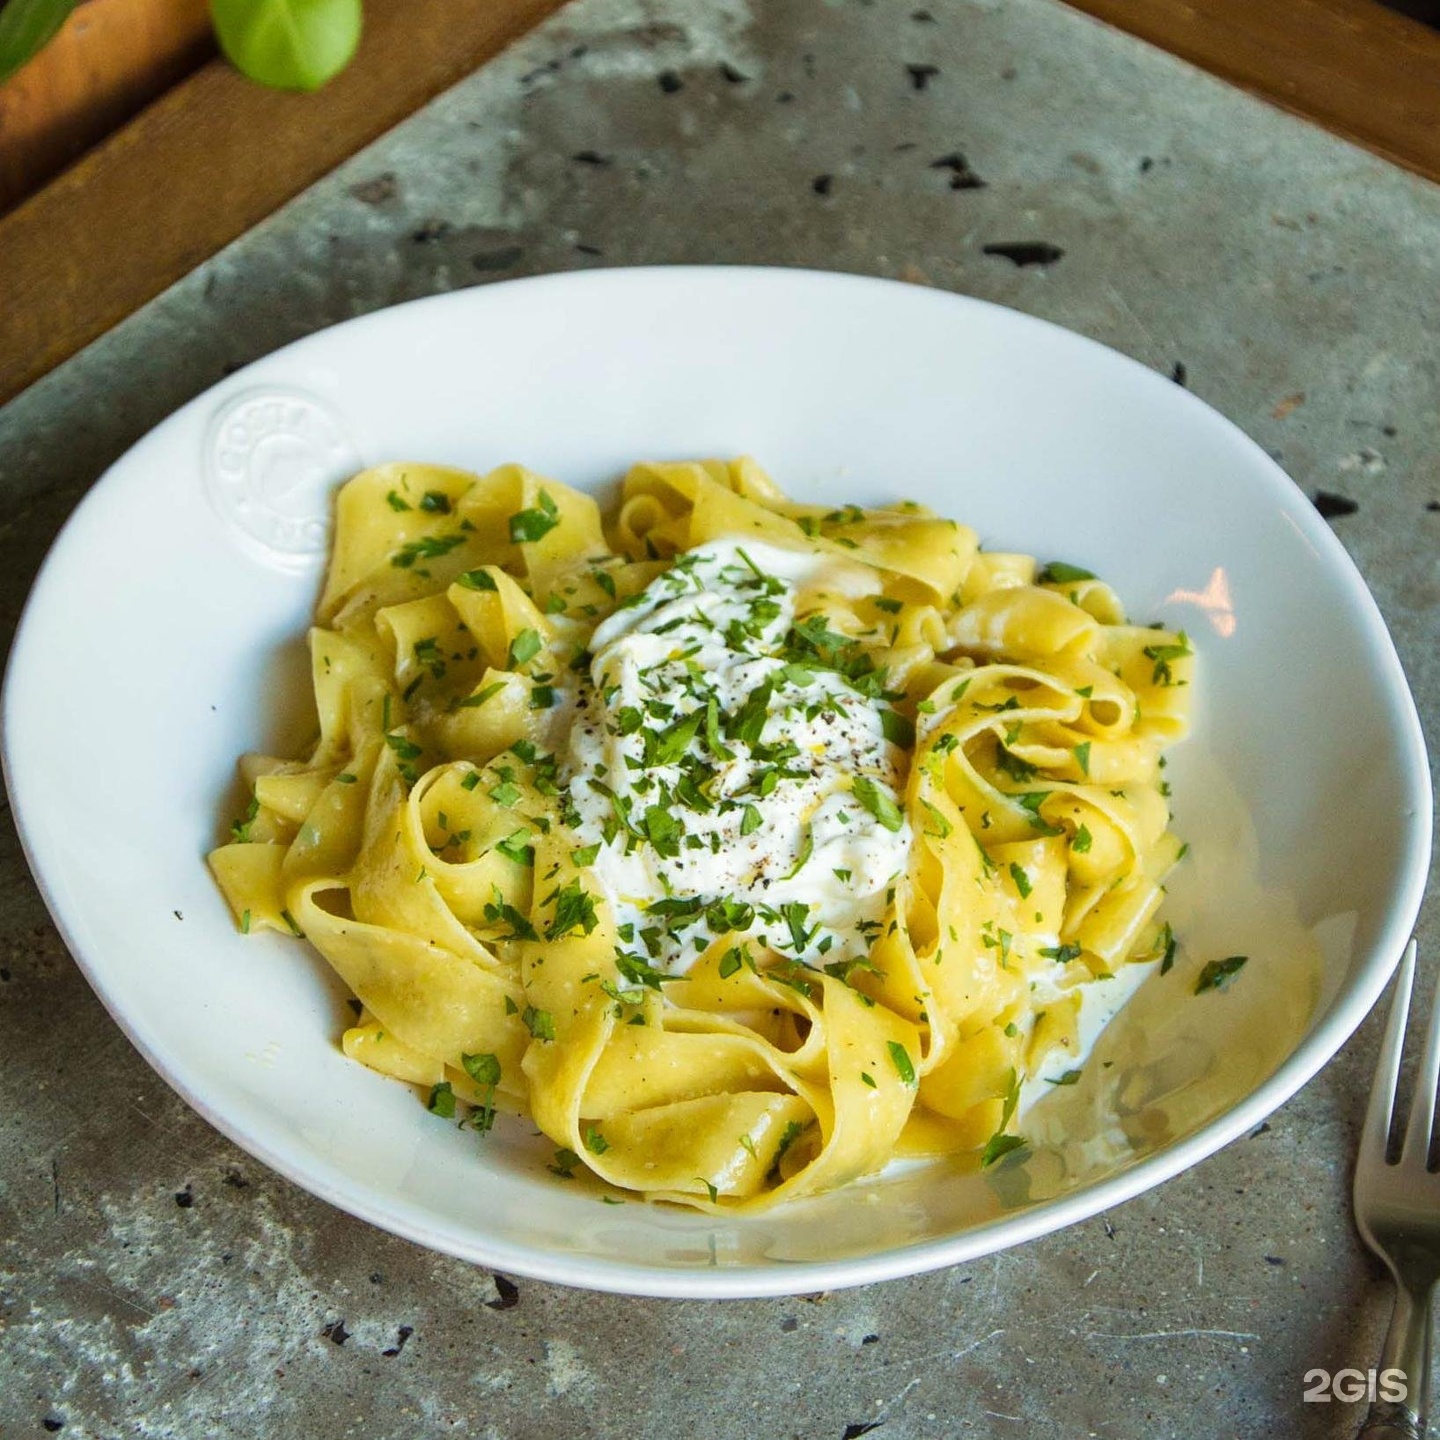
(898, 730)
(1219, 973)
(26, 27)
(540, 1023)
(483, 1069)
(442, 1100)
(524, 648)
(877, 802)
(999, 1146)
(1057, 572)
(904, 1066)
(288, 44)
(478, 579)
(531, 525)
(1168, 945)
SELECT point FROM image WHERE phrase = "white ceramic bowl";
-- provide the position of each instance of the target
(162, 639)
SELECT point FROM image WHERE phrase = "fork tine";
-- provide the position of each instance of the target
(1376, 1135)
(1422, 1106)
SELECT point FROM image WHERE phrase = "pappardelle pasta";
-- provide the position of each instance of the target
(743, 845)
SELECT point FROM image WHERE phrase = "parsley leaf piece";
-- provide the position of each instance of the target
(1082, 841)
(574, 910)
(514, 847)
(442, 1100)
(535, 524)
(666, 747)
(1219, 973)
(1162, 655)
(1082, 757)
(1168, 945)
(480, 579)
(540, 1023)
(523, 648)
(897, 729)
(564, 1163)
(904, 1066)
(428, 547)
(1057, 572)
(998, 1146)
(1021, 879)
(877, 802)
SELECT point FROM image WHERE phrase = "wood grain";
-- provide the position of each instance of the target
(207, 161)
(110, 59)
(1352, 66)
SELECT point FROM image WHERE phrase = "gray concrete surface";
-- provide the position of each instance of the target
(157, 1282)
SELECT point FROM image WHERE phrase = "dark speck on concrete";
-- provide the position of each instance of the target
(962, 177)
(1274, 1260)
(1147, 164)
(4, 974)
(589, 157)
(1261, 1129)
(505, 258)
(823, 184)
(184, 1198)
(588, 249)
(1178, 373)
(1026, 252)
(431, 230)
(507, 1295)
(733, 75)
(1431, 505)
(52, 1423)
(236, 1181)
(404, 1333)
(376, 1278)
(379, 191)
(669, 82)
(870, 1340)
(921, 75)
(789, 1325)
(1331, 505)
(784, 97)
(922, 17)
(858, 1428)
(336, 1332)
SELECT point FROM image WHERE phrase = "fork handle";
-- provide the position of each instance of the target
(1407, 1349)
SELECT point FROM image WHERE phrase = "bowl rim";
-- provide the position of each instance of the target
(774, 1278)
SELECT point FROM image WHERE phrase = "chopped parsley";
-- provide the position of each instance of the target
(530, 525)
(1219, 973)
(878, 802)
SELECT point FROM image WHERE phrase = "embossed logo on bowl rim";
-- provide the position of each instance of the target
(272, 456)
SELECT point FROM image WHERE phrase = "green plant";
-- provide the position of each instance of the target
(26, 26)
(286, 44)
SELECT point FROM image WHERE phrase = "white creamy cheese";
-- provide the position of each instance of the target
(734, 789)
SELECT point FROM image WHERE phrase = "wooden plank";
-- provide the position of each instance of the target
(110, 60)
(1352, 66)
(206, 162)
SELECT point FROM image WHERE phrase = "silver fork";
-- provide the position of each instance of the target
(1397, 1211)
